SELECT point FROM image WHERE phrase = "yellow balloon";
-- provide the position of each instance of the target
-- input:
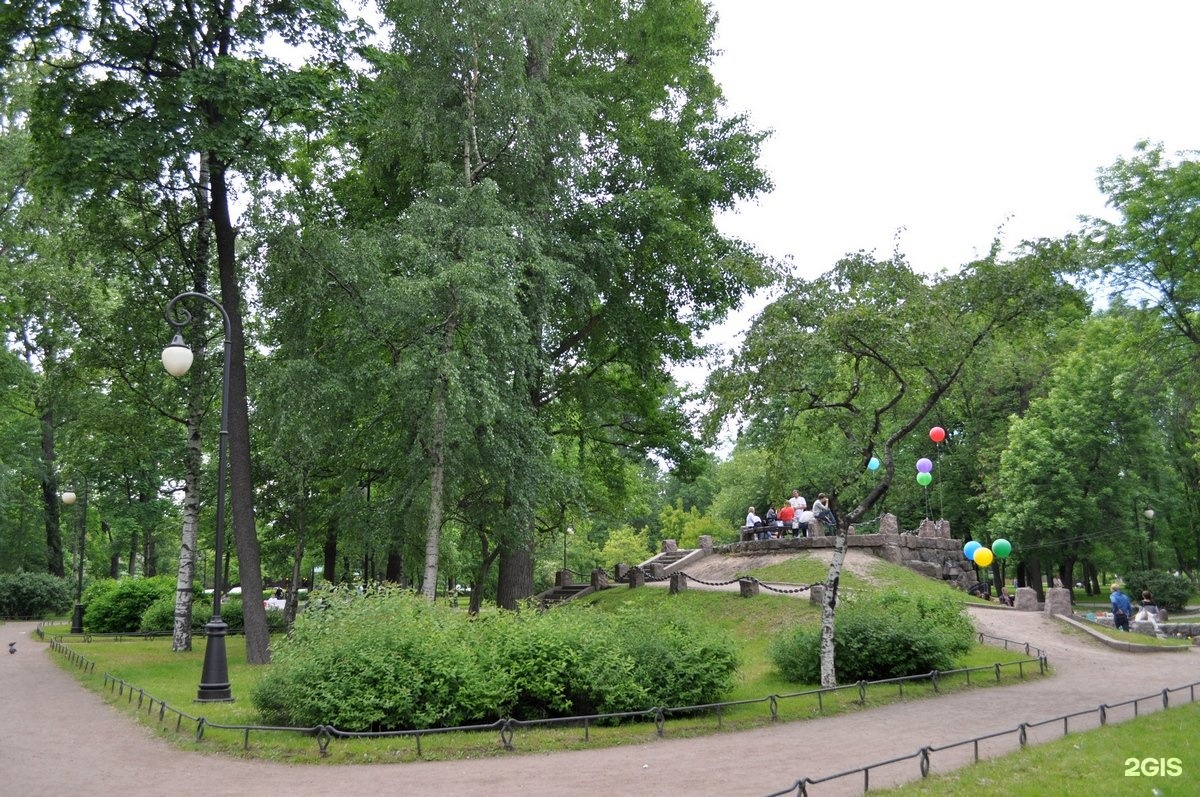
(983, 557)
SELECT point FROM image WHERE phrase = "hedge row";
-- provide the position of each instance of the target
(392, 660)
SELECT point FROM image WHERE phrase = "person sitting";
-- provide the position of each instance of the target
(824, 515)
(804, 524)
(787, 519)
(769, 521)
(1004, 597)
(981, 589)
(1148, 612)
(753, 521)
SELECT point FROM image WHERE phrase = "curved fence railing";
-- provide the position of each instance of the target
(508, 726)
(923, 758)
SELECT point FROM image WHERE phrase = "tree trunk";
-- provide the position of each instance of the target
(828, 668)
(330, 551)
(1033, 569)
(50, 498)
(133, 551)
(395, 564)
(293, 596)
(181, 638)
(515, 580)
(245, 532)
(185, 598)
(437, 466)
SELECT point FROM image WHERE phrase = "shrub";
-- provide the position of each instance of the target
(393, 660)
(34, 595)
(159, 616)
(888, 635)
(119, 609)
(1169, 591)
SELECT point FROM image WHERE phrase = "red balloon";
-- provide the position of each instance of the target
(937, 434)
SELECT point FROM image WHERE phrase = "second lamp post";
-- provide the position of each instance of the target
(177, 359)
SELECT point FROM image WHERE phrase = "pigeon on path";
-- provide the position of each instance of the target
(12, 647)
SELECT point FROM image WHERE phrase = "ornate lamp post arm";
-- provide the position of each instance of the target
(177, 359)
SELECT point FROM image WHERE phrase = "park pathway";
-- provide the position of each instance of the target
(60, 740)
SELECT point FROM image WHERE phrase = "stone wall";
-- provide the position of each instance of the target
(930, 550)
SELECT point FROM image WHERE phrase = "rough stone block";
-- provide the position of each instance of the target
(670, 546)
(816, 594)
(748, 587)
(599, 579)
(1058, 601)
(889, 524)
(706, 542)
(637, 578)
(1143, 627)
(678, 583)
(1026, 599)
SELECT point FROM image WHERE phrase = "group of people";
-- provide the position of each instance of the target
(1122, 608)
(793, 518)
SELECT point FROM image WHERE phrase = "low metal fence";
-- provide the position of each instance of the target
(508, 726)
(923, 757)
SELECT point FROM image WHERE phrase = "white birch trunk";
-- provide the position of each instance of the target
(828, 671)
(182, 635)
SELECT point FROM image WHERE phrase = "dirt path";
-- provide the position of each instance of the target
(59, 739)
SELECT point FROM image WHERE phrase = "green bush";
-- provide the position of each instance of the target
(392, 660)
(888, 635)
(1170, 592)
(119, 609)
(159, 616)
(34, 595)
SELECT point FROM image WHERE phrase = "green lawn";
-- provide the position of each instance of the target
(149, 665)
(1155, 755)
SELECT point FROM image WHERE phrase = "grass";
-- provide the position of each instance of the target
(1126, 758)
(149, 665)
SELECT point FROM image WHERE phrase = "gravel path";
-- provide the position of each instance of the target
(59, 739)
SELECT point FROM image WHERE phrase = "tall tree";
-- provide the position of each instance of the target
(849, 366)
(133, 90)
(604, 133)
(1084, 462)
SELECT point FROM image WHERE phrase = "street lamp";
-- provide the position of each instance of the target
(570, 530)
(177, 359)
(68, 498)
(1149, 515)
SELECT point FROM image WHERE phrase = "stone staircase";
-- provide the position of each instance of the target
(562, 593)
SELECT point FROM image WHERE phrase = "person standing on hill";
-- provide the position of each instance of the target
(1121, 608)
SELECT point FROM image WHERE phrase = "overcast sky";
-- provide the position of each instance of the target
(946, 121)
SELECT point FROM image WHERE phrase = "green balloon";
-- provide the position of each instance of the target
(924, 479)
(1002, 548)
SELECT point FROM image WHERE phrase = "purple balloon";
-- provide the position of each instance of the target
(924, 465)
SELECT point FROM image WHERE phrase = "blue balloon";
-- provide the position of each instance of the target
(873, 464)
(970, 548)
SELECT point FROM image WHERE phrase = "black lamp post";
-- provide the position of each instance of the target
(570, 530)
(68, 498)
(177, 359)
(1149, 515)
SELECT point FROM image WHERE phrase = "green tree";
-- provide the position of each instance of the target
(606, 139)
(1150, 255)
(871, 350)
(132, 91)
(1082, 461)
